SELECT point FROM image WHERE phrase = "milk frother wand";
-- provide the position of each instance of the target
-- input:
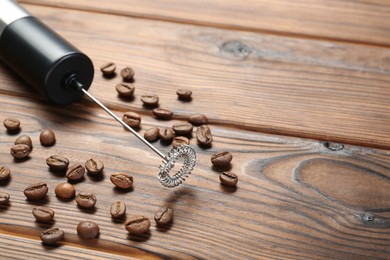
(63, 74)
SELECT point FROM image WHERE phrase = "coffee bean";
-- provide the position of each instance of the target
(203, 135)
(4, 198)
(137, 225)
(86, 199)
(65, 191)
(43, 214)
(150, 100)
(221, 159)
(125, 90)
(179, 141)
(52, 236)
(132, 119)
(108, 69)
(127, 74)
(183, 129)
(184, 94)
(24, 139)
(198, 119)
(36, 191)
(20, 151)
(57, 162)
(47, 137)
(122, 180)
(152, 134)
(12, 124)
(5, 173)
(163, 216)
(75, 173)
(162, 113)
(94, 166)
(166, 134)
(88, 230)
(228, 179)
(118, 209)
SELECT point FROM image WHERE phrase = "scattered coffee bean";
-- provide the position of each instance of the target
(162, 113)
(166, 134)
(5, 173)
(24, 139)
(221, 159)
(152, 134)
(52, 236)
(183, 129)
(47, 137)
(132, 119)
(127, 74)
(125, 90)
(65, 191)
(43, 214)
(88, 230)
(118, 209)
(4, 198)
(179, 141)
(203, 135)
(184, 94)
(57, 162)
(198, 119)
(150, 100)
(36, 191)
(108, 69)
(163, 216)
(86, 200)
(75, 173)
(122, 180)
(12, 124)
(94, 166)
(20, 151)
(228, 179)
(137, 225)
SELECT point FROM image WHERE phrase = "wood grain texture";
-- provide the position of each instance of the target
(356, 21)
(253, 81)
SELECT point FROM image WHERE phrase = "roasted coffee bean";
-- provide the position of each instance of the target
(137, 225)
(5, 173)
(150, 100)
(94, 166)
(228, 179)
(203, 135)
(182, 129)
(221, 159)
(108, 69)
(184, 94)
(86, 200)
(47, 137)
(127, 74)
(198, 119)
(57, 162)
(118, 209)
(4, 198)
(88, 230)
(162, 113)
(24, 139)
(122, 180)
(65, 191)
(125, 90)
(179, 141)
(152, 134)
(132, 119)
(166, 134)
(20, 151)
(36, 191)
(75, 173)
(52, 236)
(43, 214)
(163, 216)
(11, 124)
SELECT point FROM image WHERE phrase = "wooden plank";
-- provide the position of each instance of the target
(272, 84)
(365, 22)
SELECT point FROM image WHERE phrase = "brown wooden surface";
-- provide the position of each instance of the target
(296, 199)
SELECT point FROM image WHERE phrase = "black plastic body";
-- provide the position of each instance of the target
(44, 59)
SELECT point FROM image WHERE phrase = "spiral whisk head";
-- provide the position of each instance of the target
(189, 157)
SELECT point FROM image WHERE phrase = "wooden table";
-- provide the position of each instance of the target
(281, 82)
